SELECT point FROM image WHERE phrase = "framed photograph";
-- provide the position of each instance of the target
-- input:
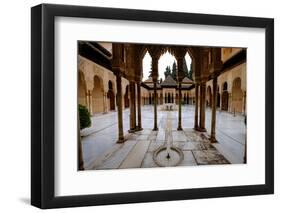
(140, 106)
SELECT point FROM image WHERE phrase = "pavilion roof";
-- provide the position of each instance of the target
(187, 80)
(169, 81)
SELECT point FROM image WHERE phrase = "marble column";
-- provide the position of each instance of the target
(179, 111)
(196, 107)
(154, 78)
(139, 127)
(229, 102)
(87, 101)
(155, 105)
(132, 107)
(90, 105)
(180, 77)
(104, 103)
(119, 107)
(244, 103)
(214, 110)
(202, 106)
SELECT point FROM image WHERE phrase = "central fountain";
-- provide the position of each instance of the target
(168, 155)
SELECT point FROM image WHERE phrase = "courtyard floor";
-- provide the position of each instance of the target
(100, 150)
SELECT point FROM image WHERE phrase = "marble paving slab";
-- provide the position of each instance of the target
(136, 155)
(118, 157)
(178, 136)
(188, 159)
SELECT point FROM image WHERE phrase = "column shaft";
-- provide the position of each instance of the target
(155, 106)
(132, 107)
(214, 111)
(119, 108)
(196, 106)
(104, 103)
(90, 104)
(202, 106)
(179, 115)
(139, 106)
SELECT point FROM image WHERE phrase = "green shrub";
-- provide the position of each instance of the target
(85, 117)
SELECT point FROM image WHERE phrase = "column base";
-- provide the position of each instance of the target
(200, 129)
(132, 130)
(155, 129)
(179, 128)
(213, 140)
(138, 128)
(120, 140)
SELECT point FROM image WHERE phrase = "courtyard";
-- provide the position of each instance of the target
(100, 150)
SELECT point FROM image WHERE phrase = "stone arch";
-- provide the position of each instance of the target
(98, 95)
(82, 89)
(237, 96)
(110, 95)
(160, 51)
(224, 101)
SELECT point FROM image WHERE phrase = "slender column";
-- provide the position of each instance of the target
(179, 115)
(154, 78)
(90, 106)
(244, 103)
(214, 110)
(229, 102)
(180, 76)
(119, 108)
(87, 101)
(139, 106)
(196, 107)
(132, 107)
(202, 106)
(155, 106)
(104, 103)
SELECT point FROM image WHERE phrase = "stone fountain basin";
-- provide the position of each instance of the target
(160, 156)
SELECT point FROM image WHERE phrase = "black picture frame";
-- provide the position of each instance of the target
(43, 105)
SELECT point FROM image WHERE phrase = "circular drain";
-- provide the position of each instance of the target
(164, 159)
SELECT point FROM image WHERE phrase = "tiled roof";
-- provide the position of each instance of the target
(169, 81)
(186, 80)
